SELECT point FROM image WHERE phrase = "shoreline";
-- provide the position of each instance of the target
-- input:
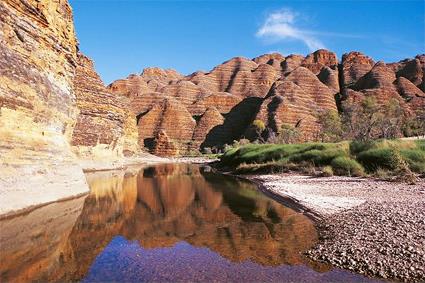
(371, 227)
(20, 205)
(52, 184)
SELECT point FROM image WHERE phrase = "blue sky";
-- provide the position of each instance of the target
(124, 37)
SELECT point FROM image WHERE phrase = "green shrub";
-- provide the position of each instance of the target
(397, 157)
(327, 171)
(415, 158)
(358, 146)
(384, 158)
(318, 157)
(346, 166)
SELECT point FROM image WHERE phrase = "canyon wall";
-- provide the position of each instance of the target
(38, 51)
(178, 114)
(54, 109)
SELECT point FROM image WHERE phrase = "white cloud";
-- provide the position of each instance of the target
(281, 25)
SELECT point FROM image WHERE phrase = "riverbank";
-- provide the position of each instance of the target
(42, 187)
(90, 165)
(372, 227)
(37, 187)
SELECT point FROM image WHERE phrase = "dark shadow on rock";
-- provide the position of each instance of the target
(235, 123)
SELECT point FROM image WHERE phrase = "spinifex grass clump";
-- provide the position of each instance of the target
(396, 157)
(343, 165)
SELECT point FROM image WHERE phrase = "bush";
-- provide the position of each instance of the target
(415, 158)
(327, 171)
(397, 158)
(346, 166)
(358, 146)
(384, 158)
(318, 157)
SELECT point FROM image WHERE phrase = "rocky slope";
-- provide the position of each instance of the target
(214, 108)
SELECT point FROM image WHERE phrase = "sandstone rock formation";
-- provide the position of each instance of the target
(384, 83)
(300, 96)
(210, 119)
(353, 66)
(51, 98)
(275, 89)
(104, 126)
(163, 146)
(319, 59)
(38, 56)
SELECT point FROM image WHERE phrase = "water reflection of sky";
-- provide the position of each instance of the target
(127, 261)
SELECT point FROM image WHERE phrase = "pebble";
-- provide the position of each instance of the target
(376, 240)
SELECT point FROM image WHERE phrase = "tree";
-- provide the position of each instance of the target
(330, 126)
(360, 119)
(369, 120)
(289, 134)
(259, 128)
(391, 120)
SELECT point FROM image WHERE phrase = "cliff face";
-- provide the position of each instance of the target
(37, 102)
(51, 98)
(217, 107)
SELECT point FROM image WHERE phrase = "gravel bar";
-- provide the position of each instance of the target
(372, 227)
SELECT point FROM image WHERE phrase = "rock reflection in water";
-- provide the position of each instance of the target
(163, 205)
(157, 209)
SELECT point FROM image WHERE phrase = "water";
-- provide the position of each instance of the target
(174, 223)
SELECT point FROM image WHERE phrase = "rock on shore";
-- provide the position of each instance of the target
(372, 227)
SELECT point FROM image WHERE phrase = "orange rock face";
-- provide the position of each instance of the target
(275, 89)
(390, 81)
(163, 146)
(38, 55)
(354, 66)
(295, 100)
(171, 118)
(319, 59)
(103, 119)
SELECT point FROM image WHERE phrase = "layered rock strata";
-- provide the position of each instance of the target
(52, 105)
(278, 90)
(104, 128)
(37, 103)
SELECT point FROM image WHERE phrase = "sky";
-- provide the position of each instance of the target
(123, 37)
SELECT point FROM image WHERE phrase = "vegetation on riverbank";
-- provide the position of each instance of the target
(381, 158)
